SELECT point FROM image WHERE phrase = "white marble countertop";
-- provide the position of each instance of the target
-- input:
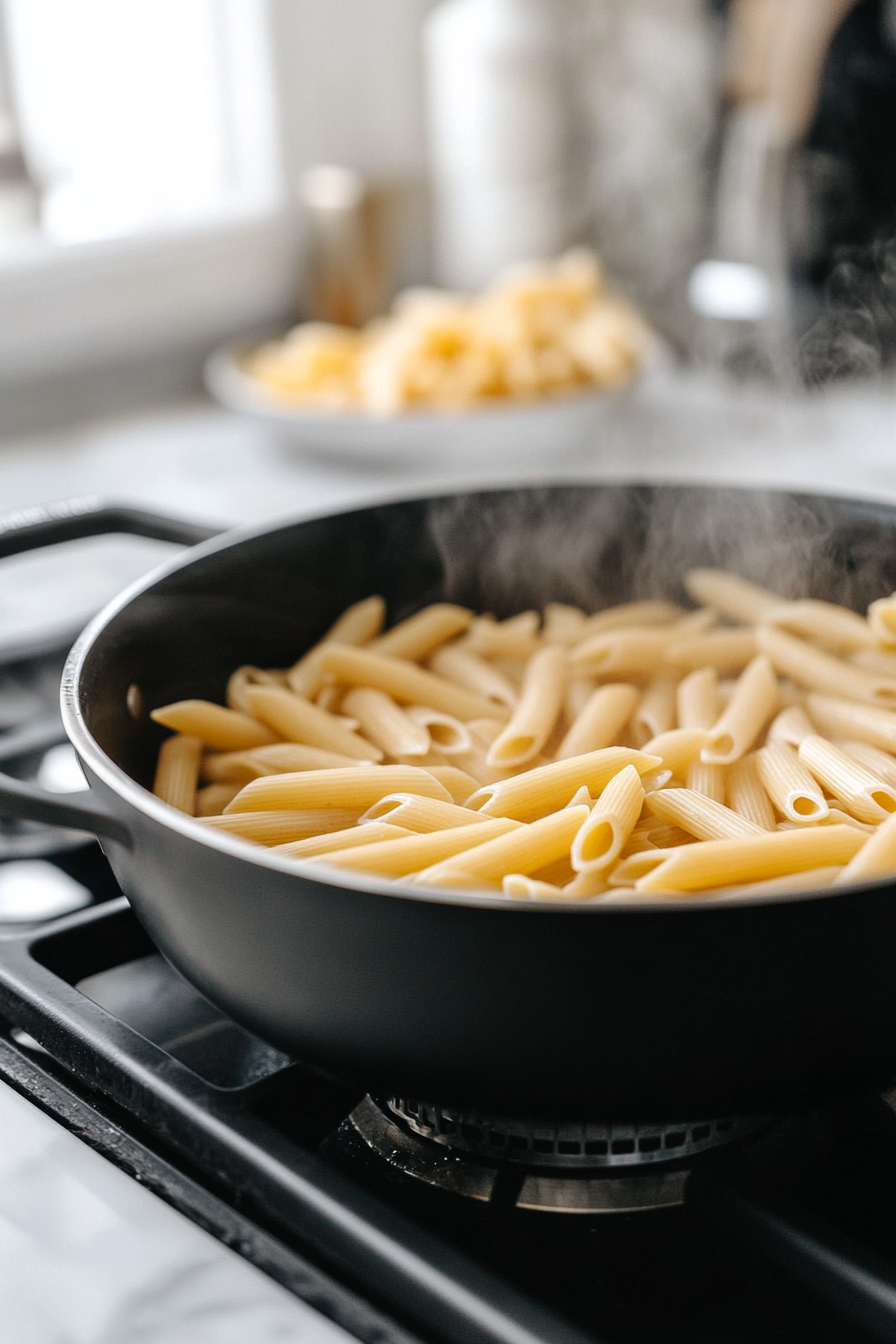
(86, 1255)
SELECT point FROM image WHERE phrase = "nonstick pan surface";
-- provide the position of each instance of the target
(684, 1010)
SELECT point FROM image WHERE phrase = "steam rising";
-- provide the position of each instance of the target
(593, 546)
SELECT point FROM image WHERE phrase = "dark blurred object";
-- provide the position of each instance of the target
(349, 272)
(844, 257)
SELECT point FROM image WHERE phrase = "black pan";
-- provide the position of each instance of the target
(677, 1011)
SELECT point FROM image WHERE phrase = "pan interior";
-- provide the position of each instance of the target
(265, 599)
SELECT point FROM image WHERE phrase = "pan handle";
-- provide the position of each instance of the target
(71, 519)
(75, 811)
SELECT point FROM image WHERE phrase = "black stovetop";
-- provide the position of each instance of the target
(790, 1237)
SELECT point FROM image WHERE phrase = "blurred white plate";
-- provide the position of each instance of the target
(548, 429)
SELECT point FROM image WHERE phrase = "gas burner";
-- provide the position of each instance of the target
(561, 1167)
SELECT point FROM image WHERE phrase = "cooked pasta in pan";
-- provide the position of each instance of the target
(640, 753)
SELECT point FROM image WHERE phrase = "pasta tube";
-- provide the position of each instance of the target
(447, 734)
(862, 793)
(876, 660)
(731, 595)
(603, 716)
(710, 780)
(880, 763)
(627, 652)
(530, 889)
(298, 720)
(678, 748)
(350, 838)
(876, 858)
(249, 676)
(420, 814)
(283, 825)
(423, 632)
(535, 793)
(609, 824)
(525, 850)
(400, 858)
(656, 711)
(698, 815)
(791, 726)
(824, 621)
(632, 613)
(358, 624)
(697, 699)
(747, 795)
(177, 772)
(821, 672)
(533, 719)
(514, 638)
(404, 681)
(280, 758)
(474, 674)
(219, 728)
(746, 714)
(882, 619)
(213, 799)
(459, 784)
(725, 650)
(383, 723)
(789, 784)
(562, 624)
(845, 718)
(716, 863)
(335, 788)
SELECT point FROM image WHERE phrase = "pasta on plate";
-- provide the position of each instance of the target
(641, 753)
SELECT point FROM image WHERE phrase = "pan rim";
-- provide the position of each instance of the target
(143, 801)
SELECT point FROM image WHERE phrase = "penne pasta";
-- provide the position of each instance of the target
(880, 763)
(791, 726)
(632, 651)
(882, 661)
(424, 631)
(533, 719)
(335, 788)
(383, 723)
(697, 699)
(562, 624)
(656, 710)
(882, 620)
(609, 824)
(548, 788)
(747, 795)
(515, 638)
(632, 613)
(459, 784)
(585, 886)
(404, 682)
(249, 676)
(702, 867)
(789, 784)
(834, 626)
(733, 596)
(678, 748)
(459, 665)
(861, 792)
(601, 718)
(525, 850)
(357, 625)
(819, 671)
(710, 780)
(177, 772)
(421, 814)
(280, 758)
(299, 721)
(285, 824)
(725, 650)
(219, 728)
(845, 718)
(876, 858)
(350, 838)
(751, 706)
(400, 858)
(212, 800)
(529, 889)
(446, 733)
(699, 816)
